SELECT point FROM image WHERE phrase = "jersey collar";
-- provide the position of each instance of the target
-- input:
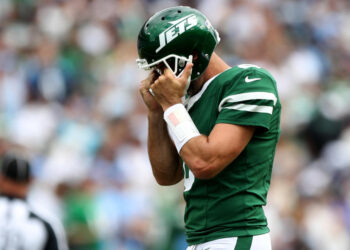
(189, 102)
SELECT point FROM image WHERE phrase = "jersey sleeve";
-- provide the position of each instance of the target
(249, 99)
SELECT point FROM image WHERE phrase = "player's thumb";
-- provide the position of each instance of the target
(187, 71)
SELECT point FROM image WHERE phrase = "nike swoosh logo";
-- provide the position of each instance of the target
(251, 80)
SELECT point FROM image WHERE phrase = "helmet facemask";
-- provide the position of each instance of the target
(176, 64)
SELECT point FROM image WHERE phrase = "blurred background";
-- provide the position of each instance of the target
(69, 99)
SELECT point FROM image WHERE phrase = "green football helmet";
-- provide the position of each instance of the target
(174, 36)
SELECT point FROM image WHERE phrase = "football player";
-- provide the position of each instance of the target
(215, 126)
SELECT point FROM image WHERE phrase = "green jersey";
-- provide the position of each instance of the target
(230, 204)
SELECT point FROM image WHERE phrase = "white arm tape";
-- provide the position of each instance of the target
(180, 125)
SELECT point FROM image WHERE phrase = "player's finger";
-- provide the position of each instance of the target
(156, 83)
(142, 85)
(168, 73)
(146, 84)
(149, 80)
(143, 91)
(153, 89)
(162, 78)
(187, 71)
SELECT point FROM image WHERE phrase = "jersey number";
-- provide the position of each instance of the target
(188, 176)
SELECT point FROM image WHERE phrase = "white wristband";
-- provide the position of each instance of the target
(180, 125)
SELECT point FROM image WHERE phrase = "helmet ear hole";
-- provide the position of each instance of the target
(195, 55)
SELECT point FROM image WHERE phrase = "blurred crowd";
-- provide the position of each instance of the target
(69, 99)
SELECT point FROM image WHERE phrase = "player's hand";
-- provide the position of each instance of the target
(169, 89)
(148, 99)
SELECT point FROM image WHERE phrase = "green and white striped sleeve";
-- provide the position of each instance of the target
(249, 104)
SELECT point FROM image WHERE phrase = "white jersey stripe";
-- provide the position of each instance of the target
(251, 108)
(248, 96)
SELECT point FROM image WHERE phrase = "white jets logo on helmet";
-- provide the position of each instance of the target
(177, 28)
